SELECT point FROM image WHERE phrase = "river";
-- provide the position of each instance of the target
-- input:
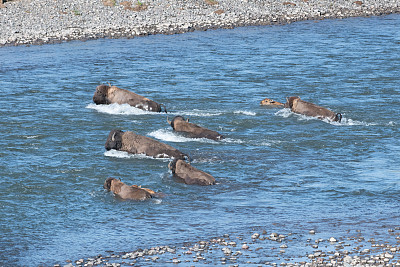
(275, 170)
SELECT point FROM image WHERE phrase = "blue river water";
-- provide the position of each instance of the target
(275, 169)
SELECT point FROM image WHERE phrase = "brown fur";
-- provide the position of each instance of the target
(124, 191)
(189, 174)
(138, 144)
(179, 124)
(302, 107)
(309, 109)
(111, 94)
(270, 102)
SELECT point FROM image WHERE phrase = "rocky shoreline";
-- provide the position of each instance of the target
(28, 22)
(263, 248)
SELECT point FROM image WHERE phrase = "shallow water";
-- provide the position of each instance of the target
(275, 169)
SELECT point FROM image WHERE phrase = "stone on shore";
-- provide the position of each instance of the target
(50, 21)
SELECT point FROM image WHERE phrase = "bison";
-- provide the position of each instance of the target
(270, 102)
(299, 106)
(192, 130)
(111, 94)
(138, 144)
(189, 174)
(124, 191)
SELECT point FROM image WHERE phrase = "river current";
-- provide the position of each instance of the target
(275, 170)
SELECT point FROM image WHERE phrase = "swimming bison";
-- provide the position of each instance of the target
(179, 124)
(189, 174)
(305, 108)
(111, 94)
(138, 144)
(124, 191)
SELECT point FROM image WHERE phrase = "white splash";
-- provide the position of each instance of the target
(170, 136)
(245, 112)
(156, 201)
(285, 112)
(265, 144)
(197, 113)
(125, 155)
(233, 141)
(121, 154)
(345, 121)
(117, 109)
(31, 136)
(350, 122)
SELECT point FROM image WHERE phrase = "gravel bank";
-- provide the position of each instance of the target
(24, 22)
(263, 248)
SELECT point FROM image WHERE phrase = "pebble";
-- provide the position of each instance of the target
(255, 236)
(83, 20)
(176, 261)
(332, 239)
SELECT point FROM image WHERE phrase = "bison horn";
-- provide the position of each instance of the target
(187, 120)
(169, 122)
(113, 137)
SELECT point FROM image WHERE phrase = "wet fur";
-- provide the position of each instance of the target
(124, 191)
(179, 124)
(138, 144)
(189, 174)
(111, 94)
(309, 109)
(270, 102)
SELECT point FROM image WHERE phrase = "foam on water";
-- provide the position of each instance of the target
(232, 140)
(211, 113)
(31, 136)
(351, 122)
(245, 112)
(197, 113)
(156, 201)
(125, 155)
(269, 143)
(345, 121)
(171, 136)
(117, 109)
(285, 112)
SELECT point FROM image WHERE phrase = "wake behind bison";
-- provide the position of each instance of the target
(111, 94)
(138, 144)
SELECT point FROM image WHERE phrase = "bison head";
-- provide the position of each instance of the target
(172, 165)
(100, 96)
(270, 102)
(175, 120)
(114, 140)
(289, 101)
(107, 183)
